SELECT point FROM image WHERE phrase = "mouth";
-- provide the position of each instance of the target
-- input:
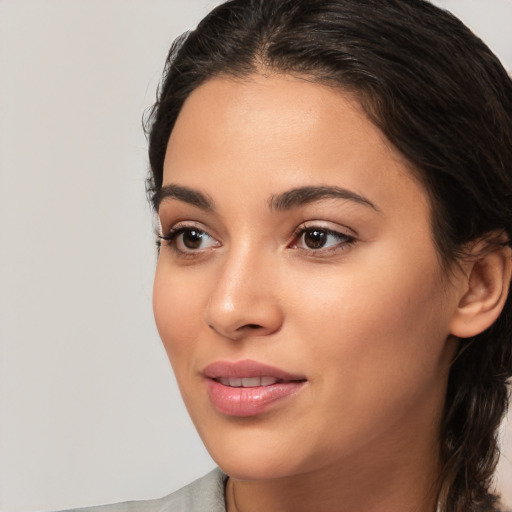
(248, 388)
(246, 382)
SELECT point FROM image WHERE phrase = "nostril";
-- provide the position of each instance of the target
(245, 326)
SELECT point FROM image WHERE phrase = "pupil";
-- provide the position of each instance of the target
(315, 239)
(192, 239)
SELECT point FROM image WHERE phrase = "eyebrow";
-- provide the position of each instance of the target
(305, 195)
(286, 201)
(185, 194)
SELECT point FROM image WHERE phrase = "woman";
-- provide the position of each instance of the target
(333, 181)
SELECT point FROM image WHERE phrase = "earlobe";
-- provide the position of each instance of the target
(486, 288)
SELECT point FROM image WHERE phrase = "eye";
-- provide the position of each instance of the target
(316, 239)
(186, 240)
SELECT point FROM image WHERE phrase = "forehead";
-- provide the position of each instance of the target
(265, 134)
(282, 107)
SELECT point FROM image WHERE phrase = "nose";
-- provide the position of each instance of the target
(244, 302)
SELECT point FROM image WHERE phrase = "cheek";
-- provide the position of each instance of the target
(376, 348)
(177, 312)
(389, 317)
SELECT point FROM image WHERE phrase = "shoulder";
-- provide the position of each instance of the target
(204, 494)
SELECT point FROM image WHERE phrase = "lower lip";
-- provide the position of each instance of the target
(243, 402)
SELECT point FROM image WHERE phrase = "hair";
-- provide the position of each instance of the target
(443, 99)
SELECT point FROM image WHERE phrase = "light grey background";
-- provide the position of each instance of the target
(89, 410)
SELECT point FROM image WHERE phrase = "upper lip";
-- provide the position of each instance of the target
(247, 368)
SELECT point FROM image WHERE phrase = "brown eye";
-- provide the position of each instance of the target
(315, 238)
(192, 239)
(189, 240)
(320, 239)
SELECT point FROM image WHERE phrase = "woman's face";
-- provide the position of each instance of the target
(298, 294)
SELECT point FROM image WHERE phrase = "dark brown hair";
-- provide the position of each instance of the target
(445, 102)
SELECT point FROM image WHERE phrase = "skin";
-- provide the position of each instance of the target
(366, 318)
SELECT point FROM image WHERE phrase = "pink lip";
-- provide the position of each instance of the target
(247, 368)
(248, 401)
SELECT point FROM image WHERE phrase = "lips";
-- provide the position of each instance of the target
(248, 388)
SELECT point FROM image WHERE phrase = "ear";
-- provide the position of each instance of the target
(484, 291)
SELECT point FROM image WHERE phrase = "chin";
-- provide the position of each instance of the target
(250, 452)
(247, 468)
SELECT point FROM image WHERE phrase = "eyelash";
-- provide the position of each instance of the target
(171, 237)
(345, 240)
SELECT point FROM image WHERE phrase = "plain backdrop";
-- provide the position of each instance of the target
(89, 410)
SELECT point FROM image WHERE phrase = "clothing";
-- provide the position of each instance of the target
(203, 495)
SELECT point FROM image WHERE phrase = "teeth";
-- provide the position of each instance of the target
(234, 382)
(247, 382)
(251, 382)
